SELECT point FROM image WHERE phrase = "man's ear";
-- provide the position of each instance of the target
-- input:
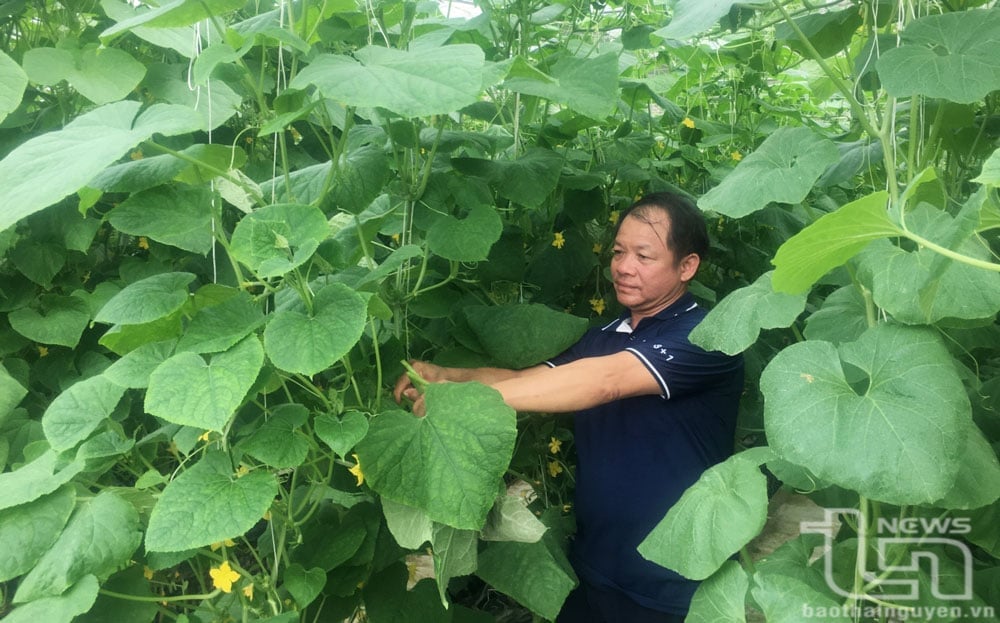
(689, 266)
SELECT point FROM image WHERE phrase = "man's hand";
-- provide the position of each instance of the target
(406, 388)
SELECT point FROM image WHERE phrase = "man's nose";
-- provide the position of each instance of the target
(625, 265)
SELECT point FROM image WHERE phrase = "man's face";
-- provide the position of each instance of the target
(646, 275)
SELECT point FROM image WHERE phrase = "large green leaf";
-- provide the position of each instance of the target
(341, 434)
(15, 80)
(176, 215)
(447, 463)
(841, 318)
(951, 56)
(31, 481)
(411, 527)
(277, 442)
(215, 104)
(53, 319)
(134, 368)
(174, 14)
(886, 416)
(527, 180)
(99, 539)
(147, 300)
(787, 599)
(510, 519)
(133, 176)
(692, 17)
(39, 261)
(304, 585)
(782, 170)
(11, 392)
(828, 32)
(537, 574)
(34, 527)
(186, 389)
(734, 324)
(468, 239)
(587, 85)
(922, 286)
(424, 81)
(297, 341)
(518, 336)
(61, 609)
(978, 481)
(722, 597)
(731, 494)
(76, 412)
(387, 599)
(454, 553)
(80, 151)
(219, 327)
(208, 503)
(830, 241)
(180, 39)
(277, 238)
(991, 170)
(360, 177)
(102, 75)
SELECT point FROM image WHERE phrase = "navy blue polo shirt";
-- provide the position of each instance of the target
(638, 455)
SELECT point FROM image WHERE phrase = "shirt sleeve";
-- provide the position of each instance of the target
(681, 368)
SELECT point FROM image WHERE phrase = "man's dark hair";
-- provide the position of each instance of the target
(688, 233)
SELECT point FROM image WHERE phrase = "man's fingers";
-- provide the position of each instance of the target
(419, 408)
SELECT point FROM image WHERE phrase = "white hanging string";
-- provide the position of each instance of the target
(196, 88)
(278, 87)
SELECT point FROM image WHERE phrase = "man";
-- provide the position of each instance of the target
(653, 412)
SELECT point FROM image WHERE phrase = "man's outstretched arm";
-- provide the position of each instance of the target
(581, 384)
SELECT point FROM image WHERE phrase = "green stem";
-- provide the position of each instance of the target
(159, 598)
(747, 560)
(845, 89)
(954, 255)
(155, 147)
(870, 314)
(861, 562)
(378, 364)
(418, 381)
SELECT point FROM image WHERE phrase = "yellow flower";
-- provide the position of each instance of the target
(248, 591)
(242, 471)
(356, 470)
(558, 241)
(204, 436)
(613, 217)
(597, 304)
(223, 577)
(136, 155)
(147, 572)
(226, 543)
(555, 468)
(598, 247)
(267, 515)
(143, 243)
(737, 156)
(554, 445)
(688, 122)
(43, 351)
(395, 238)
